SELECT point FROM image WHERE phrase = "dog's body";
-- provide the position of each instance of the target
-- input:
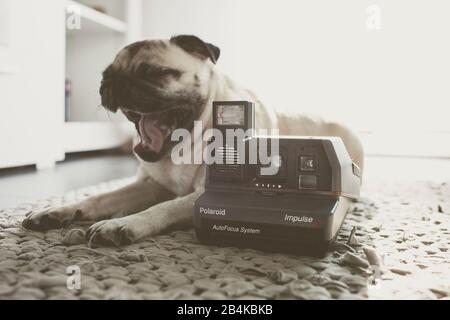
(164, 193)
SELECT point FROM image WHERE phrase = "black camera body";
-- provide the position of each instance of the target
(299, 209)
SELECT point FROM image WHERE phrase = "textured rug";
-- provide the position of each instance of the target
(394, 244)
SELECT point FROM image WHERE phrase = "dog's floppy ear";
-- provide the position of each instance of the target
(106, 87)
(196, 46)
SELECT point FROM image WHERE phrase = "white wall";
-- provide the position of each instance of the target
(318, 56)
(213, 21)
(4, 23)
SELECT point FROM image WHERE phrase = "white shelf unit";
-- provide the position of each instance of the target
(94, 21)
(37, 53)
(89, 50)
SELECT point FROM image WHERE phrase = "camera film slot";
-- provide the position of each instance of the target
(229, 169)
(229, 155)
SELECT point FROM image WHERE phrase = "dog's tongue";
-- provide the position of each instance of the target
(152, 134)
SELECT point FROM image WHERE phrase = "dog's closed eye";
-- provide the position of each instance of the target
(152, 72)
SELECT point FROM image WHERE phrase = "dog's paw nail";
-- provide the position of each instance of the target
(41, 223)
(74, 237)
(125, 236)
(28, 223)
(109, 233)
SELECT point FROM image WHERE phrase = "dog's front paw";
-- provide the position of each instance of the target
(115, 232)
(51, 218)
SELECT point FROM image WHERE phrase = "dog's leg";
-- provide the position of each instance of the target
(152, 221)
(132, 198)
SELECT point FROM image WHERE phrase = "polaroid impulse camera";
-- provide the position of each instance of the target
(299, 209)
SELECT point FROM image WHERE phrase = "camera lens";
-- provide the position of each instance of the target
(308, 163)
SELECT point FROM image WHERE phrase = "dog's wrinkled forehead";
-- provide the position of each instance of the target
(162, 53)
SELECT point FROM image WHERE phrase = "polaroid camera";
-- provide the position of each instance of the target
(298, 207)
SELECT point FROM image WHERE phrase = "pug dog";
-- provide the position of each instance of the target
(160, 86)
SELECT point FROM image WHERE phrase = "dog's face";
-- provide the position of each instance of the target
(159, 85)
